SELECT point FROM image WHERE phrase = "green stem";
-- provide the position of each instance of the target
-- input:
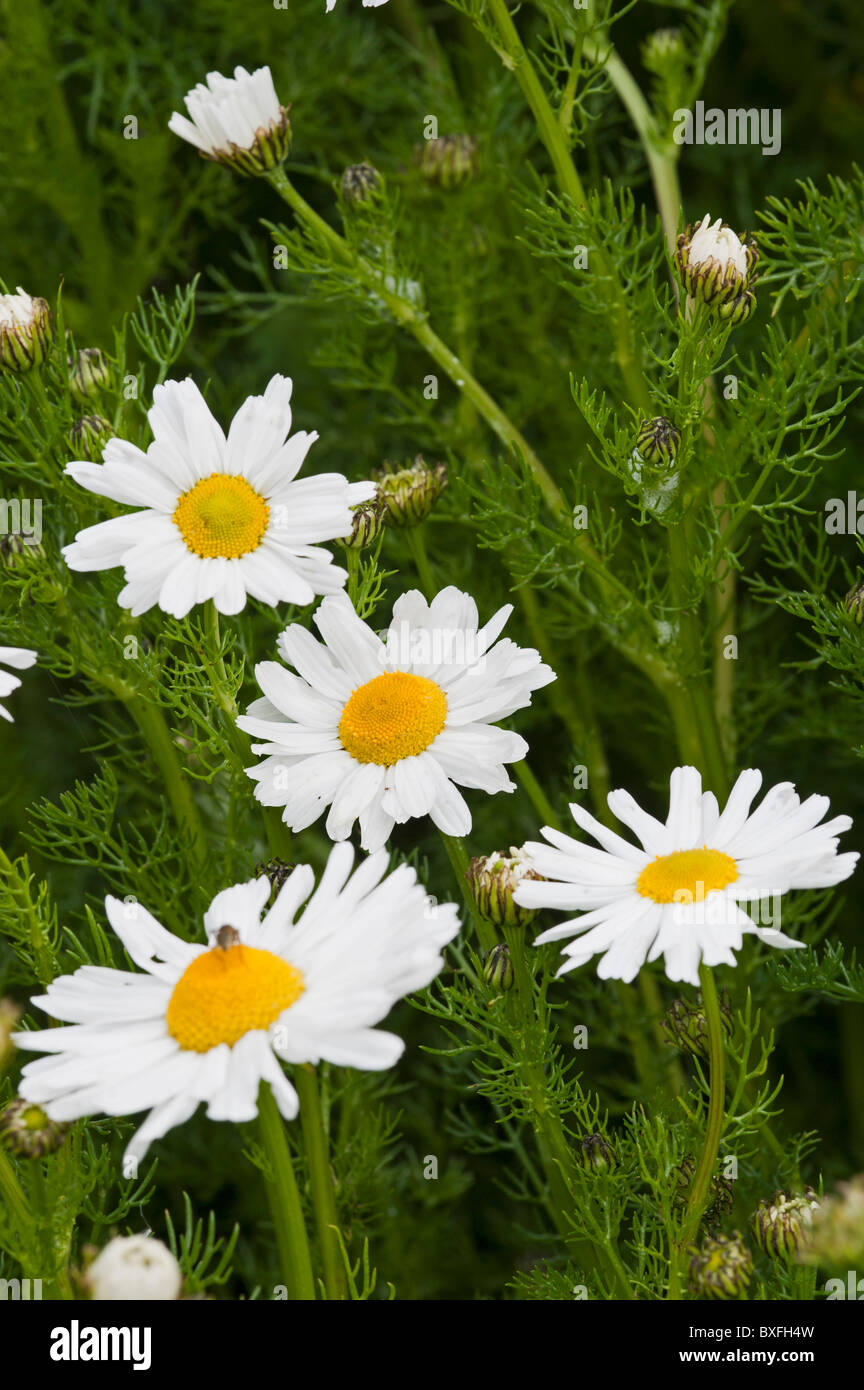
(714, 1123)
(417, 546)
(458, 856)
(321, 1172)
(538, 798)
(285, 1206)
(154, 730)
(13, 1193)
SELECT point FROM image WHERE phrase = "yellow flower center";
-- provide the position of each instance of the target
(221, 517)
(228, 992)
(393, 716)
(688, 875)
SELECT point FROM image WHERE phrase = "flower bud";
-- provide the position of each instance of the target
(134, 1267)
(720, 1267)
(369, 518)
(410, 493)
(25, 331)
(718, 268)
(498, 968)
(853, 604)
(595, 1152)
(359, 181)
(17, 552)
(721, 1194)
(278, 872)
(493, 880)
(89, 435)
(448, 161)
(781, 1225)
(88, 373)
(836, 1238)
(26, 1130)
(657, 441)
(686, 1026)
(663, 50)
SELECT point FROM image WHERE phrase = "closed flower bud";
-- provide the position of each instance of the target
(134, 1267)
(449, 161)
(837, 1233)
(410, 493)
(720, 1267)
(237, 121)
(657, 441)
(664, 50)
(721, 1194)
(358, 181)
(853, 604)
(369, 518)
(493, 880)
(26, 1130)
(89, 435)
(686, 1027)
(498, 968)
(781, 1225)
(88, 373)
(595, 1152)
(25, 331)
(718, 268)
(16, 551)
(278, 872)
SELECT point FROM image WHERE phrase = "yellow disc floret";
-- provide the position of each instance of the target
(393, 716)
(226, 993)
(222, 517)
(688, 875)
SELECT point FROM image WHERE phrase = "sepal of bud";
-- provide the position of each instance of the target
(25, 331)
(89, 435)
(657, 441)
(853, 603)
(720, 1267)
(595, 1152)
(359, 181)
(448, 161)
(493, 879)
(25, 1130)
(498, 968)
(686, 1026)
(410, 493)
(278, 871)
(270, 146)
(781, 1224)
(367, 525)
(88, 373)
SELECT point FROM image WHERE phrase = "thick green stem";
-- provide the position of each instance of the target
(13, 1193)
(284, 1197)
(321, 1174)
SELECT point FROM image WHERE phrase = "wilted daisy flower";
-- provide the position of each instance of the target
(206, 1023)
(134, 1267)
(20, 658)
(383, 730)
(681, 893)
(237, 121)
(224, 518)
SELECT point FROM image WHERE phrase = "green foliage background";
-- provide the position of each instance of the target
(120, 222)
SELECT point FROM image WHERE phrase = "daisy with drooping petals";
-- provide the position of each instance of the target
(224, 518)
(238, 121)
(383, 730)
(207, 1023)
(21, 659)
(681, 892)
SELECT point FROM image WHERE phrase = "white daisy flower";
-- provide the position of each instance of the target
(20, 658)
(134, 1267)
(207, 1023)
(236, 120)
(367, 4)
(225, 518)
(383, 730)
(681, 893)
